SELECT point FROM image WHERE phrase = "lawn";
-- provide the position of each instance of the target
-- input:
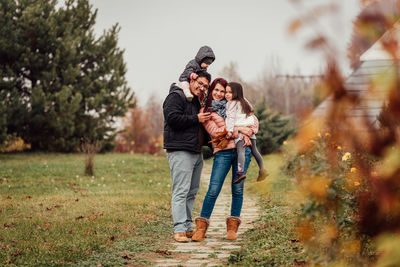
(273, 241)
(50, 214)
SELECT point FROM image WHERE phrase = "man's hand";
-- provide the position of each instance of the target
(203, 116)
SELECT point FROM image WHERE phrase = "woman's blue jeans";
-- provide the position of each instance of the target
(223, 161)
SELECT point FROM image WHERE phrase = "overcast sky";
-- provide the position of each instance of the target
(161, 36)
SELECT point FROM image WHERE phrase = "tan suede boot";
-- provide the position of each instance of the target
(232, 225)
(201, 229)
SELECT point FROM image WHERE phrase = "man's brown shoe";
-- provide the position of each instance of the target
(181, 237)
(189, 234)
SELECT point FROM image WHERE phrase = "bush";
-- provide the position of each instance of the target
(329, 221)
(274, 129)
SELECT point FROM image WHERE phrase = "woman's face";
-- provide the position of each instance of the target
(228, 93)
(219, 92)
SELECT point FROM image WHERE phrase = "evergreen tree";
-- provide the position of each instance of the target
(274, 128)
(58, 82)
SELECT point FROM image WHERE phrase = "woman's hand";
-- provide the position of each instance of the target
(247, 141)
(245, 130)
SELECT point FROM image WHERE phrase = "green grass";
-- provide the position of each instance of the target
(272, 242)
(50, 214)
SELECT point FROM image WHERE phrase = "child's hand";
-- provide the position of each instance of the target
(194, 76)
(229, 135)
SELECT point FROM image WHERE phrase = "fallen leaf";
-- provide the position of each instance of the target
(6, 226)
(93, 217)
(17, 253)
(300, 262)
(27, 197)
(8, 197)
(38, 226)
(126, 256)
(163, 252)
(79, 217)
(76, 199)
(71, 232)
(47, 224)
(112, 238)
(48, 208)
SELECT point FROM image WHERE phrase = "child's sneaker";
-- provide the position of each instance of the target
(188, 94)
(262, 174)
(240, 176)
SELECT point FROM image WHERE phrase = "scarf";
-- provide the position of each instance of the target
(219, 107)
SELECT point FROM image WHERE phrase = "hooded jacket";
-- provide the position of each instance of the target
(182, 129)
(195, 64)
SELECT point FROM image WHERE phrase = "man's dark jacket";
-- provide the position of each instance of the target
(181, 124)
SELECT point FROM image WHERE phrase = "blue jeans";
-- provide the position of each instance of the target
(223, 161)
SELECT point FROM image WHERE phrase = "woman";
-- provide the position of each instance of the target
(224, 159)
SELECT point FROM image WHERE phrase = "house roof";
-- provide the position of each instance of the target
(374, 71)
(376, 51)
(359, 83)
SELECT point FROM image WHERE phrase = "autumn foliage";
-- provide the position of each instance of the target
(142, 130)
(347, 167)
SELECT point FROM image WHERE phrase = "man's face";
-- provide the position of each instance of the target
(198, 85)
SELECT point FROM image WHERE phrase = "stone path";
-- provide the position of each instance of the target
(215, 249)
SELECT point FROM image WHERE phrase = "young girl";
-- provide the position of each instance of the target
(238, 113)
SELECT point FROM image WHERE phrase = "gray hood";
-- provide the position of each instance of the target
(204, 51)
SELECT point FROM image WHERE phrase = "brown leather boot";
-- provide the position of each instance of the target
(201, 229)
(232, 225)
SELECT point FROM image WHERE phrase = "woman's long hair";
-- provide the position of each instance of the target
(237, 94)
(216, 81)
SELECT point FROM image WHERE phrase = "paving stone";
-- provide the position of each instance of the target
(199, 249)
(230, 247)
(200, 256)
(196, 262)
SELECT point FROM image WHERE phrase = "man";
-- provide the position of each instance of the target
(184, 136)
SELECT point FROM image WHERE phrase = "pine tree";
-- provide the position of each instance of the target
(274, 128)
(58, 82)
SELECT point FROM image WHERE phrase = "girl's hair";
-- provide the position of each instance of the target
(237, 94)
(220, 81)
